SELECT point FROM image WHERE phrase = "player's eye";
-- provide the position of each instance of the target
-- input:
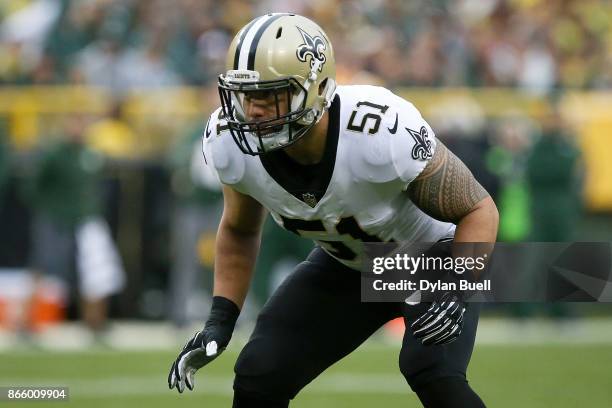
(260, 96)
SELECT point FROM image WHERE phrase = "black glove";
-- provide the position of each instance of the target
(205, 345)
(442, 322)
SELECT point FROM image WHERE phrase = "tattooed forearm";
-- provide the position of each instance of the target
(446, 189)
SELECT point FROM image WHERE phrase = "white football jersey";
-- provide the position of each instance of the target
(377, 143)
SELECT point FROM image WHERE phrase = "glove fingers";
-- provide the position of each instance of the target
(461, 314)
(450, 337)
(453, 307)
(434, 335)
(452, 334)
(171, 377)
(177, 381)
(446, 325)
(431, 312)
(429, 340)
(189, 363)
(449, 297)
(197, 352)
(181, 365)
(428, 329)
(442, 322)
(181, 368)
(189, 381)
(426, 320)
(432, 324)
(421, 321)
(191, 341)
(179, 373)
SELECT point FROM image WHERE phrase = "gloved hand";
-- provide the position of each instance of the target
(205, 345)
(442, 322)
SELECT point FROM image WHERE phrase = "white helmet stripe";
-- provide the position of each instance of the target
(255, 42)
(241, 41)
(247, 40)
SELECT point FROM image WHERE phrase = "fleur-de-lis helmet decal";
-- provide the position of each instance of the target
(313, 47)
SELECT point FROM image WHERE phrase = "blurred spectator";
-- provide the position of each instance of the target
(76, 27)
(4, 166)
(14, 217)
(197, 210)
(146, 67)
(197, 48)
(22, 37)
(98, 64)
(552, 174)
(460, 124)
(13, 303)
(112, 137)
(554, 181)
(68, 231)
(508, 160)
(13, 210)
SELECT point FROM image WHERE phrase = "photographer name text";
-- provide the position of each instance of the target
(427, 286)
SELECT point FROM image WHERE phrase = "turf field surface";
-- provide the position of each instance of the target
(535, 375)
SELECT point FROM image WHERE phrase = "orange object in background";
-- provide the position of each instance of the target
(3, 316)
(28, 303)
(45, 309)
(395, 328)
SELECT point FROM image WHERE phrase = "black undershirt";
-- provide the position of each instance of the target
(307, 180)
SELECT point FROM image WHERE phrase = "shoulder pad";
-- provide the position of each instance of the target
(221, 152)
(373, 115)
(370, 158)
(412, 146)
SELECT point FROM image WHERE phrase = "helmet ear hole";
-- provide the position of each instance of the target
(322, 86)
(279, 32)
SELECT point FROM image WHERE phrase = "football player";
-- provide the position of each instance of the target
(340, 165)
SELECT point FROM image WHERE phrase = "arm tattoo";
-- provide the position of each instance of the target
(446, 189)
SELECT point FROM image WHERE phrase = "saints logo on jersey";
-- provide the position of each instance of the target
(313, 46)
(309, 199)
(422, 144)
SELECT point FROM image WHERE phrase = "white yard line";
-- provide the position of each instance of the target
(128, 336)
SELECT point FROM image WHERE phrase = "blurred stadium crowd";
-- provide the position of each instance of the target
(118, 167)
(123, 44)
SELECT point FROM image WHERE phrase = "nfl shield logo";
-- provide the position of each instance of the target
(309, 199)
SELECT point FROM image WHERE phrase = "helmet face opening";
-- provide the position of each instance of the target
(281, 103)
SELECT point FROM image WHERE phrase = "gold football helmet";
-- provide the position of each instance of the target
(287, 62)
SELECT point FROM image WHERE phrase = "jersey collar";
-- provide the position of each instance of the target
(307, 183)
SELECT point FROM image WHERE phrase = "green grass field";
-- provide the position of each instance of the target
(505, 376)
